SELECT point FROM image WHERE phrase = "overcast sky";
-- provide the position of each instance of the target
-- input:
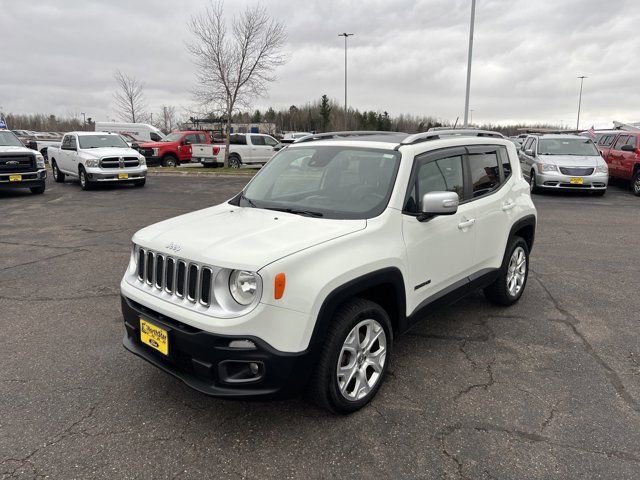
(407, 56)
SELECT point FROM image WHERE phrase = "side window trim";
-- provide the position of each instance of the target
(497, 149)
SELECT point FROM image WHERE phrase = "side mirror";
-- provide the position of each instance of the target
(438, 203)
(186, 142)
(529, 152)
(628, 148)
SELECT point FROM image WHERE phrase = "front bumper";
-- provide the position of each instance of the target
(113, 174)
(151, 160)
(28, 179)
(560, 181)
(206, 362)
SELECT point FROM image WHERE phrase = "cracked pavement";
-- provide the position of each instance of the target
(549, 388)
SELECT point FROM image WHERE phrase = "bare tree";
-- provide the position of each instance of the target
(234, 67)
(129, 98)
(167, 118)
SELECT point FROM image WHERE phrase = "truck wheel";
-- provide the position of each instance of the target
(512, 277)
(58, 176)
(234, 161)
(37, 190)
(636, 183)
(354, 357)
(85, 184)
(169, 161)
(533, 186)
(45, 154)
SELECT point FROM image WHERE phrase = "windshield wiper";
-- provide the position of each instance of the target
(248, 200)
(295, 211)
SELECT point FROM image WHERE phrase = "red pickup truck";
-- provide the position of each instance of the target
(173, 149)
(622, 153)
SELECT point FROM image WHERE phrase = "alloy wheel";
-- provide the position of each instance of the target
(517, 271)
(636, 185)
(361, 360)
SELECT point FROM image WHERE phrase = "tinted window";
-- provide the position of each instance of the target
(155, 137)
(506, 165)
(256, 140)
(238, 140)
(485, 173)
(606, 140)
(202, 138)
(191, 138)
(444, 175)
(66, 141)
(631, 141)
(622, 139)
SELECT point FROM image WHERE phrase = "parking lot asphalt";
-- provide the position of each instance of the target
(549, 388)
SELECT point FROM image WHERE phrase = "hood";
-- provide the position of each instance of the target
(111, 152)
(572, 160)
(11, 149)
(155, 144)
(241, 238)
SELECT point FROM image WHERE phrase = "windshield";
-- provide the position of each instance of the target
(8, 139)
(325, 181)
(99, 141)
(172, 137)
(567, 146)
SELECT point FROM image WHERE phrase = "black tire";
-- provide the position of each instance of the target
(58, 176)
(37, 190)
(44, 153)
(85, 184)
(235, 161)
(324, 386)
(498, 292)
(169, 161)
(635, 183)
(533, 186)
(140, 183)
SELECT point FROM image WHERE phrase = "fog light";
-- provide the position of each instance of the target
(246, 344)
(254, 368)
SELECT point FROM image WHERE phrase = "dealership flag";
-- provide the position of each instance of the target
(591, 132)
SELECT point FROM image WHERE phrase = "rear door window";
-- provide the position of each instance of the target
(632, 141)
(257, 140)
(622, 139)
(484, 172)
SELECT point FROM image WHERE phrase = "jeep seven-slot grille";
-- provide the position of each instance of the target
(184, 279)
(114, 162)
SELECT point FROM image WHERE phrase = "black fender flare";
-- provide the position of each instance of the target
(526, 221)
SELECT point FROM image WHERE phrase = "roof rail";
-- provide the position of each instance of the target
(458, 132)
(329, 135)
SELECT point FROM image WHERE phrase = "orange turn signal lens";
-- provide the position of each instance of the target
(279, 285)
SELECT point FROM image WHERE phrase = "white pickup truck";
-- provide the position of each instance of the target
(245, 149)
(97, 157)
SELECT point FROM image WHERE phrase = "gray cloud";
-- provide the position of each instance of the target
(406, 57)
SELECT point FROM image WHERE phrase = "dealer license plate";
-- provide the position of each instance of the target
(123, 176)
(576, 181)
(15, 178)
(154, 336)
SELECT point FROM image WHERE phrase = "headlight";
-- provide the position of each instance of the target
(143, 161)
(547, 167)
(155, 151)
(602, 168)
(91, 163)
(243, 286)
(39, 160)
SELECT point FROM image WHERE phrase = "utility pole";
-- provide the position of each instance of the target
(346, 35)
(581, 77)
(466, 99)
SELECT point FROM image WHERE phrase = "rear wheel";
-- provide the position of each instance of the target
(85, 184)
(58, 176)
(533, 186)
(512, 278)
(169, 161)
(635, 183)
(354, 357)
(234, 161)
(37, 190)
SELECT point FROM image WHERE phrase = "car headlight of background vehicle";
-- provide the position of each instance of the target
(547, 167)
(243, 286)
(39, 160)
(602, 168)
(92, 162)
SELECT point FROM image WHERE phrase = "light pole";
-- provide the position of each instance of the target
(581, 77)
(466, 99)
(345, 35)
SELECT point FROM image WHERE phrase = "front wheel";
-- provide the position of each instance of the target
(512, 277)
(37, 190)
(533, 186)
(84, 181)
(635, 184)
(58, 176)
(170, 161)
(354, 357)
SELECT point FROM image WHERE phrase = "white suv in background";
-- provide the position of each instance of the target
(338, 245)
(97, 157)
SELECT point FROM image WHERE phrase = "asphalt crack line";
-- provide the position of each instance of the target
(41, 260)
(571, 321)
(485, 386)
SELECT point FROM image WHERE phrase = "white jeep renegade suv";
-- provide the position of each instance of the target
(339, 244)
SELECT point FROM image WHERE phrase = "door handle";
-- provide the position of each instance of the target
(466, 224)
(508, 206)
